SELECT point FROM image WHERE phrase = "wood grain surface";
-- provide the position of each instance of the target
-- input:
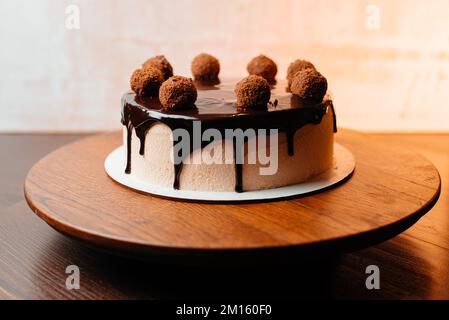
(33, 257)
(389, 191)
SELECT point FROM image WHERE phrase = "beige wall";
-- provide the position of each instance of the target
(392, 78)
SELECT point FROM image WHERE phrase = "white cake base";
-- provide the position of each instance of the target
(344, 164)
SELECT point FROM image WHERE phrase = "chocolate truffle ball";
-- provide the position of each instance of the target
(146, 81)
(309, 84)
(178, 93)
(253, 93)
(205, 67)
(296, 66)
(161, 63)
(264, 67)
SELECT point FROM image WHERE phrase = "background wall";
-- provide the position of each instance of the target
(387, 62)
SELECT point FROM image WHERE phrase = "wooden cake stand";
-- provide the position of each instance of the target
(389, 191)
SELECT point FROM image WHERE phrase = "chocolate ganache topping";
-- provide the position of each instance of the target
(216, 108)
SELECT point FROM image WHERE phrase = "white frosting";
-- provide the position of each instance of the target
(313, 154)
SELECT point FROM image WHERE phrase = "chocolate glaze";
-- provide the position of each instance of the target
(215, 108)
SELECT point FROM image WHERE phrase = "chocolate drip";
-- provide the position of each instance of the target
(141, 132)
(238, 162)
(331, 105)
(128, 147)
(215, 108)
(238, 177)
(177, 169)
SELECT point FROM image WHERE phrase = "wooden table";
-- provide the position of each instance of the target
(34, 257)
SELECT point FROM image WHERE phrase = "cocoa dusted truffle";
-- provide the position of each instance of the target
(253, 93)
(161, 63)
(309, 84)
(178, 93)
(295, 67)
(264, 67)
(205, 67)
(146, 81)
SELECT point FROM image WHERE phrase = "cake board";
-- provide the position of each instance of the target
(389, 191)
(342, 168)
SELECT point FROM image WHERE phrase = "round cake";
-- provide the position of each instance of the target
(295, 134)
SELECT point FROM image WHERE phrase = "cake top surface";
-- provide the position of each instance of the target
(219, 101)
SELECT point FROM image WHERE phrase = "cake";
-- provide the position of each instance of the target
(297, 129)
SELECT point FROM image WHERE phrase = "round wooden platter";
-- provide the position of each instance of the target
(389, 191)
